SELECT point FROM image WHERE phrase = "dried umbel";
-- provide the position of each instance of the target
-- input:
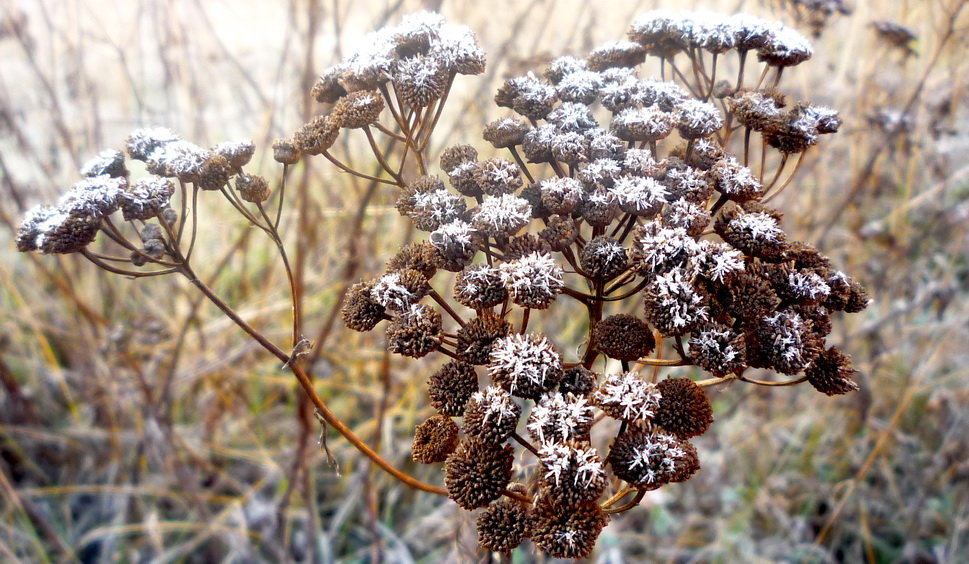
(634, 199)
(635, 208)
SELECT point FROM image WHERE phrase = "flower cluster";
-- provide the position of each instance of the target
(615, 189)
(145, 203)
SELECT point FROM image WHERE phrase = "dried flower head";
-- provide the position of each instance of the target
(566, 532)
(684, 409)
(627, 397)
(649, 459)
(451, 387)
(434, 440)
(503, 525)
(477, 472)
(558, 418)
(526, 366)
(491, 415)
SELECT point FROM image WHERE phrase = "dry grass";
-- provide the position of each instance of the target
(138, 423)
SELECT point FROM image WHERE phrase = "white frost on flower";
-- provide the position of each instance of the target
(650, 123)
(93, 197)
(457, 47)
(600, 172)
(660, 456)
(583, 464)
(714, 342)
(657, 246)
(786, 43)
(502, 215)
(579, 86)
(476, 280)
(102, 163)
(679, 301)
(572, 116)
(532, 280)
(440, 206)
(142, 142)
(525, 357)
(146, 197)
(454, 239)
(717, 261)
(495, 402)
(627, 397)
(761, 226)
(734, 178)
(808, 285)
(788, 336)
(38, 223)
(390, 293)
(702, 117)
(178, 158)
(565, 418)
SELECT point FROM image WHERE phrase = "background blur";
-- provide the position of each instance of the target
(137, 423)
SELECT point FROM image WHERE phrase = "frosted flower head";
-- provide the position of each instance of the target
(558, 418)
(506, 132)
(601, 172)
(674, 305)
(561, 67)
(526, 366)
(491, 415)
(146, 197)
(691, 217)
(616, 54)
(537, 144)
(667, 96)
(457, 47)
(784, 341)
(627, 397)
(457, 241)
(533, 280)
(621, 95)
(806, 287)
(238, 152)
(735, 181)
(572, 116)
(498, 176)
(570, 147)
(658, 249)
(757, 233)
(108, 162)
(580, 87)
(650, 459)
(785, 47)
(603, 145)
(561, 195)
(54, 230)
(502, 216)
(717, 262)
(643, 124)
(479, 286)
(573, 473)
(698, 119)
(430, 205)
(420, 80)
(180, 159)
(399, 290)
(718, 349)
(640, 162)
(599, 207)
(639, 195)
(93, 197)
(143, 142)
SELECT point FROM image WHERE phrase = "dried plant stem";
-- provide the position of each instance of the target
(307, 385)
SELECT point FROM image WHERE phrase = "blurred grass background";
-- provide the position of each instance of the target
(137, 423)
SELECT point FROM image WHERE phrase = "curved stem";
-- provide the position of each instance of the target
(307, 385)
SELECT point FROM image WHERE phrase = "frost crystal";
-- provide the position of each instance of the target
(557, 418)
(533, 280)
(582, 464)
(502, 216)
(93, 197)
(390, 293)
(526, 365)
(627, 397)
